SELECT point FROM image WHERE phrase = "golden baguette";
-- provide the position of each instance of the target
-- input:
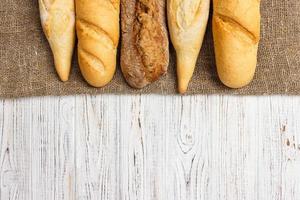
(58, 22)
(97, 25)
(236, 30)
(187, 21)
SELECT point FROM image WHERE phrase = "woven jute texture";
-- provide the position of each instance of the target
(26, 65)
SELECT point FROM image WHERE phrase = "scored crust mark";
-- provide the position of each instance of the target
(235, 24)
(115, 4)
(186, 12)
(44, 12)
(61, 21)
(149, 38)
(87, 26)
(47, 3)
(56, 21)
(94, 61)
(43, 4)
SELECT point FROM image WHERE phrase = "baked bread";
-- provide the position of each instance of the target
(236, 30)
(97, 25)
(145, 46)
(58, 22)
(187, 21)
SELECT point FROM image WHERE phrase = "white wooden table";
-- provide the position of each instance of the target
(150, 147)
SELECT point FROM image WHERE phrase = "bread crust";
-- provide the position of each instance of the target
(97, 25)
(58, 22)
(187, 21)
(236, 32)
(145, 46)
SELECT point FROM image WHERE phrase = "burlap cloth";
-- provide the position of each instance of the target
(26, 65)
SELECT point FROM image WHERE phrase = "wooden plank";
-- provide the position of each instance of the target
(96, 147)
(15, 151)
(150, 147)
(290, 141)
(37, 149)
(52, 147)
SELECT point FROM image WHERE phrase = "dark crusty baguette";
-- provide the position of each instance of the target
(145, 46)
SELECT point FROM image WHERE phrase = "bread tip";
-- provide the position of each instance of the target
(63, 73)
(63, 67)
(182, 90)
(63, 77)
(182, 86)
(238, 82)
(234, 85)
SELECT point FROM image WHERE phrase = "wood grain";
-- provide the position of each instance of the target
(150, 147)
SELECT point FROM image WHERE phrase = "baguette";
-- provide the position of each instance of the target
(187, 24)
(236, 32)
(58, 22)
(145, 45)
(97, 25)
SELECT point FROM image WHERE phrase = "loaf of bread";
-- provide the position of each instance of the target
(97, 25)
(145, 46)
(58, 22)
(236, 31)
(187, 24)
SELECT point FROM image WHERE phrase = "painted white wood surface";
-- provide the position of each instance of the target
(150, 147)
